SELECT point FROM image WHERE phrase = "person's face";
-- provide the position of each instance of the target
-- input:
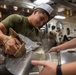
(39, 18)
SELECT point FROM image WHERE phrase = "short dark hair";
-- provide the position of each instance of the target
(53, 27)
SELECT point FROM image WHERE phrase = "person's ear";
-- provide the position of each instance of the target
(35, 11)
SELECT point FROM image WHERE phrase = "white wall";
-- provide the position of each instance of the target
(52, 22)
(71, 24)
(67, 23)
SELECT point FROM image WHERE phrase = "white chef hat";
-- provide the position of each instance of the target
(46, 7)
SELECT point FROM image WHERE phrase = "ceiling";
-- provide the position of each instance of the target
(71, 1)
(32, 3)
(68, 6)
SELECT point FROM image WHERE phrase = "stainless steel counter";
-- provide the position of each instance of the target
(63, 57)
(67, 57)
(53, 57)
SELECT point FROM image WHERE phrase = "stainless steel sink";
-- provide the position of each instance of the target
(67, 57)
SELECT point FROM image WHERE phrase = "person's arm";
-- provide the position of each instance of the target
(10, 46)
(50, 68)
(69, 68)
(67, 45)
(3, 31)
